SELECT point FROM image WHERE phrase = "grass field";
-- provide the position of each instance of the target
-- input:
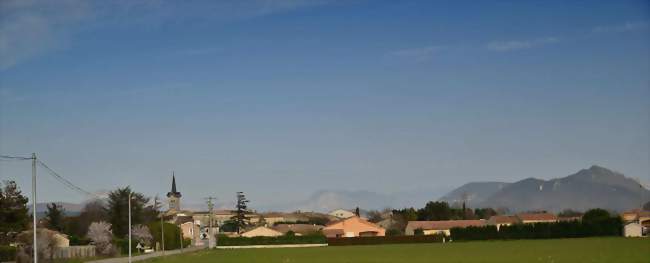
(554, 250)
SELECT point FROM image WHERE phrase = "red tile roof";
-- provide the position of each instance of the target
(444, 225)
(503, 220)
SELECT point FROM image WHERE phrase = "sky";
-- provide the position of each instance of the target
(284, 98)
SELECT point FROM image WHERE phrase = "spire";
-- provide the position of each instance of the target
(174, 192)
(173, 183)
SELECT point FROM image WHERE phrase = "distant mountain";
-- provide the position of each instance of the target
(596, 187)
(328, 200)
(474, 193)
(69, 207)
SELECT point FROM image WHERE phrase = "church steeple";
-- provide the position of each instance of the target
(173, 184)
(174, 196)
(173, 191)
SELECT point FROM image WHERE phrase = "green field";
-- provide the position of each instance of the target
(554, 250)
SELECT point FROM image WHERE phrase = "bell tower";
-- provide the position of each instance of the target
(174, 197)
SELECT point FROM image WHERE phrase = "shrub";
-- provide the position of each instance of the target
(7, 253)
(224, 240)
(351, 241)
(600, 225)
(172, 233)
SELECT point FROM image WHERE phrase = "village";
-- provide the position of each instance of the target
(242, 227)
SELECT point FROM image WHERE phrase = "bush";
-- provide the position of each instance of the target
(602, 226)
(172, 233)
(351, 241)
(78, 241)
(7, 253)
(224, 240)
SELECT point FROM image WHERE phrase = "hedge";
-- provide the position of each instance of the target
(351, 241)
(564, 229)
(280, 240)
(7, 253)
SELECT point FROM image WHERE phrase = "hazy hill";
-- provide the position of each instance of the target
(588, 188)
(476, 192)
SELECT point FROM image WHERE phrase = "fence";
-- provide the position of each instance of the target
(74, 252)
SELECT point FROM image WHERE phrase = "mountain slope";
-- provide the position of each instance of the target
(476, 193)
(588, 188)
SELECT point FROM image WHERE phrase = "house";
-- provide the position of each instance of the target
(298, 229)
(261, 231)
(440, 227)
(353, 227)
(530, 218)
(341, 213)
(637, 215)
(499, 221)
(272, 218)
(633, 230)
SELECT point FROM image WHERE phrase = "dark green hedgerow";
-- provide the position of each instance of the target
(281, 240)
(351, 241)
(7, 253)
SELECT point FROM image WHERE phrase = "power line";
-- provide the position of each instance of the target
(54, 174)
(14, 158)
(65, 181)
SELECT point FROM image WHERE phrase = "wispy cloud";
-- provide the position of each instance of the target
(628, 26)
(503, 46)
(29, 28)
(417, 54)
(200, 51)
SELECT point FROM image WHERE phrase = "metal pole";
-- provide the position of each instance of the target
(180, 236)
(130, 227)
(162, 233)
(34, 205)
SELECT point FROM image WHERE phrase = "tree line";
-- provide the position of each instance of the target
(103, 223)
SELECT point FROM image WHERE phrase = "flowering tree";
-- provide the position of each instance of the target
(142, 234)
(101, 236)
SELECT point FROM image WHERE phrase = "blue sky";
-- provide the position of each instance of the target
(284, 98)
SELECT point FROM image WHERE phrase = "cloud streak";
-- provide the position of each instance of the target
(29, 28)
(627, 27)
(417, 54)
(503, 46)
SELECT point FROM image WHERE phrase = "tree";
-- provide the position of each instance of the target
(14, 215)
(142, 234)
(240, 218)
(93, 211)
(101, 236)
(596, 216)
(646, 206)
(570, 213)
(54, 217)
(484, 213)
(374, 216)
(172, 233)
(118, 210)
(435, 211)
(45, 239)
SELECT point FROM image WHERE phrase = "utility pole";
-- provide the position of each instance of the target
(211, 243)
(130, 226)
(34, 246)
(180, 236)
(162, 234)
